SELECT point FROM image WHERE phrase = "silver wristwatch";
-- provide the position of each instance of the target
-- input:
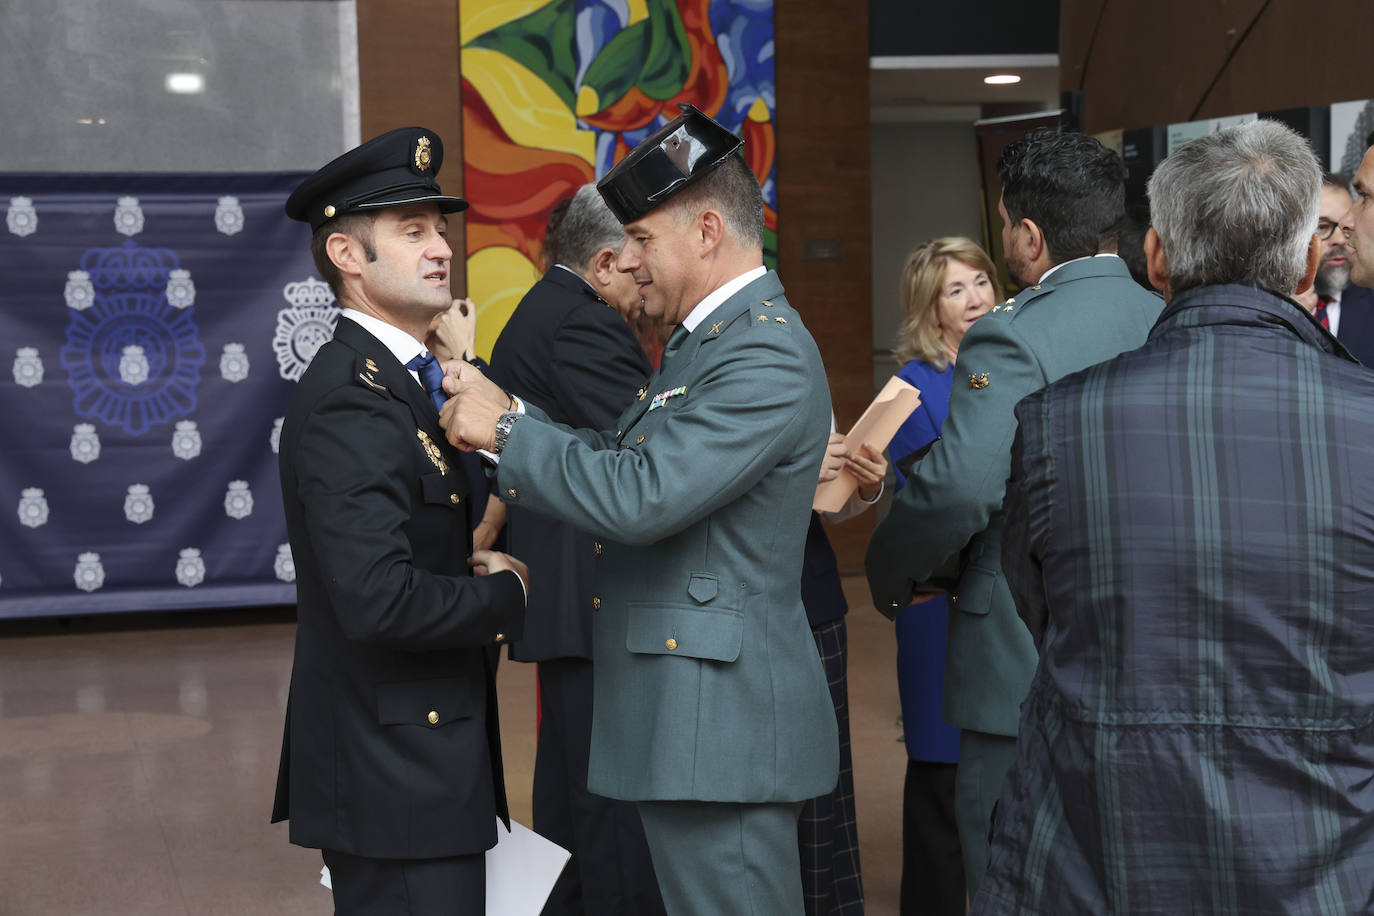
(503, 428)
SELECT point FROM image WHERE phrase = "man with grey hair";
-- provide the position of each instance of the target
(1187, 539)
(567, 350)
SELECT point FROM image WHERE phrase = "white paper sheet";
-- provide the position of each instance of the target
(521, 870)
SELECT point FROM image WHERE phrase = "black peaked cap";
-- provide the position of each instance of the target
(398, 167)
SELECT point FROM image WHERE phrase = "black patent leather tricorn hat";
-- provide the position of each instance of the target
(668, 160)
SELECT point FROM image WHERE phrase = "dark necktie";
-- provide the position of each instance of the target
(1319, 312)
(674, 342)
(431, 376)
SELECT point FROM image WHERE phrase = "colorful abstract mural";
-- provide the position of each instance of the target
(555, 92)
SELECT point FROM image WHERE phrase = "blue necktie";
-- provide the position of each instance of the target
(431, 376)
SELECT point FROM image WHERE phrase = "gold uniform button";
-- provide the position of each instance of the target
(453, 498)
(596, 548)
(500, 637)
(953, 599)
(329, 211)
(511, 493)
(670, 643)
(639, 441)
(433, 717)
(596, 603)
(896, 604)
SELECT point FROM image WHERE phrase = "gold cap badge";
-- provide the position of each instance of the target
(422, 154)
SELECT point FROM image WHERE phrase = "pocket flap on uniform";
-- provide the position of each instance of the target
(702, 587)
(696, 632)
(432, 703)
(976, 588)
(443, 489)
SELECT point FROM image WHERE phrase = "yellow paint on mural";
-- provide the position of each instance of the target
(498, 279)
(530, 113)
(758, 112)
(476, 17)
(639, 10)
(587, 102)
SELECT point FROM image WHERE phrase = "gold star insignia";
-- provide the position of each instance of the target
(763, 318)
(767, 303)
(780, 320)
(979, 381)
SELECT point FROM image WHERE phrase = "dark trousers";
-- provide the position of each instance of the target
(828, 833)
(984, 760)
(610, 872)
(407, 887)
(932, 864)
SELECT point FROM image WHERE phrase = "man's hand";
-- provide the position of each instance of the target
(469, 418)
(869, 467)
(453, 332)
(835, 454)
(486, 562)
(458, 373)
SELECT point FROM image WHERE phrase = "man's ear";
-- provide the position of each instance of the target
(1314, 260)
(1156, 264)
(343, 250)
(711, 225)
(603, 267)
(1035, 240)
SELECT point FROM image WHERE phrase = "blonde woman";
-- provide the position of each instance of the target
(947, 285)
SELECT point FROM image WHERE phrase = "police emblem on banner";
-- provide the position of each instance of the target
(186, 440)
(233, 363)
(238, 499)
(33, 508)
(28, 367)
(21, 217)
(128, 216)
(180, 291)
(85, 444)
(79, 292)
(275, 437)
(133, 358)
(190, 568)
(284, 565)
(229, 216)
(304, 327)
(138, 504)
(89, 574)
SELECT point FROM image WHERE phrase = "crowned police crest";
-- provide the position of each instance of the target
(133, 354)
(304, 327)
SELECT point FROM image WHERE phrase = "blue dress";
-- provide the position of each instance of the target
(921, 627)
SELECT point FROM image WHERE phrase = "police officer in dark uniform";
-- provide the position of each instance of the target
(391, 762)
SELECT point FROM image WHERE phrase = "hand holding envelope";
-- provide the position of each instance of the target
(877, 426)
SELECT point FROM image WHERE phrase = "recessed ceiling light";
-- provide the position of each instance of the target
(185, 83)
(1002, 79)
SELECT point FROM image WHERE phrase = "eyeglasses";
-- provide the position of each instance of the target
(1326, 228)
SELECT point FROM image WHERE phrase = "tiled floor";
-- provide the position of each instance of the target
(138, 757)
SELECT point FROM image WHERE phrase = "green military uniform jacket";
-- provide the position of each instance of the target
(1085, 312)
(708, 683)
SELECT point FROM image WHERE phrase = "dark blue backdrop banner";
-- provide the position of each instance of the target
(156, 325)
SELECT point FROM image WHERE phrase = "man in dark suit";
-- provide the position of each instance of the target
(567, 349)
(391, 761)
(1187, 540)
(1343, 308)
(1063, 198)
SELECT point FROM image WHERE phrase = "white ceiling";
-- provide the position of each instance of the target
(951, 87)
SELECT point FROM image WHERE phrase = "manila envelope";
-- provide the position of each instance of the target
(877, 426)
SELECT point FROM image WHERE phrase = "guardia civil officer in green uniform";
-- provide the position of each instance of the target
(1063, 196)
(711, 710)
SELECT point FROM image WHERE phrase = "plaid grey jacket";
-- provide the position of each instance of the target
(1190, 538)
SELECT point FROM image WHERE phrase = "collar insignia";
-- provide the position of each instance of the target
(368, 380)
(371, 366)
